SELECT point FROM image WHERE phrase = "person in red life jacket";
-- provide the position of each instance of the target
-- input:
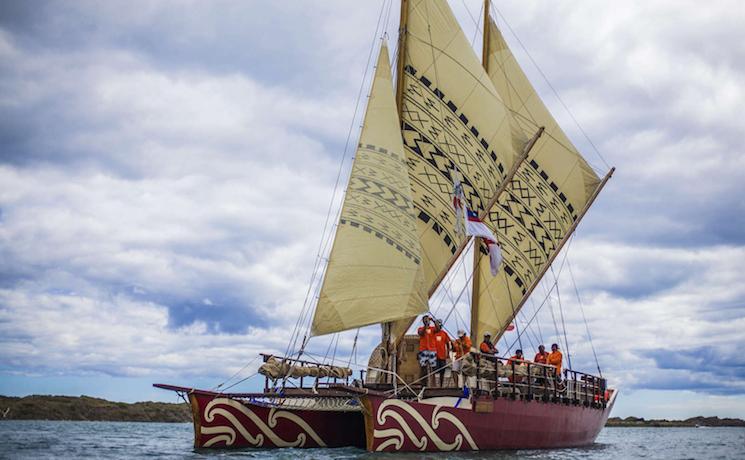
(555, 358)
(427, 350)
(461, 346)
(442, 349)
(487, 347)
(519, 360)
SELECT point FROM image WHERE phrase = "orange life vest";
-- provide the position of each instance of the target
(462, 346)
(427, 339)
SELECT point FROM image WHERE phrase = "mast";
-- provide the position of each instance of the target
(403, 33)
(475, 278)
(502, 187)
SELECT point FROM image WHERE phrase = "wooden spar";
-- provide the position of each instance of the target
(502, 187)
(551, 259)
(485, 48)
(403, 32)
(475, 278)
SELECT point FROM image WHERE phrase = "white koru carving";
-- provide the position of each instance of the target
(227, 433)
(395, 437)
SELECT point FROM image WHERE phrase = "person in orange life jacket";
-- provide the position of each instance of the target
(442, 349)
(461, 346)
(427, 352)
(541, 358)
(519, 360)
(555, 358)
(486, 346)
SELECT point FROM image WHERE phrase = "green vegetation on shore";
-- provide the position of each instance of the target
(689, 422)
(86, 408)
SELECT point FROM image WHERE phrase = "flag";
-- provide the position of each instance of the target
(475, 227)
(510, 327)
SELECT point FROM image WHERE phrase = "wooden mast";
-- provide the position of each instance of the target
(391, 354)
(403, 32)
(475, 278)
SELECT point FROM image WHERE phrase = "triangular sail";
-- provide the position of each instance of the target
(374, 271)
(541, 204)
(452, 119)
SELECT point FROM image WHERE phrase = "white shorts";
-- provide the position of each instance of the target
(457, 365)
(427, 358)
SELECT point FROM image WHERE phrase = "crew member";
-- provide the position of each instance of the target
(555, 358)
(542, 356)
(519, 360)
(486, 346)
(427, 351)
(461, 346)
(442, 349)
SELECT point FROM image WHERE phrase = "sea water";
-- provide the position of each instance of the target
(121, 440)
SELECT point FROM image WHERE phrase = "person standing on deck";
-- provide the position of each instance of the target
(442, 348)
(487, 347)
(541, 358)
(519, 360)
(461, 346)
(427, 350)
(555, 358)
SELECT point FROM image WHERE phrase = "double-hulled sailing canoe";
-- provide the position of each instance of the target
(449, 118)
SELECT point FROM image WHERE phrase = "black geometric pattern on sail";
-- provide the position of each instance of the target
(530, 219)
(376, 200)
(440, 139)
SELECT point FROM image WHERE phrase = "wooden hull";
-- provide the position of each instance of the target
(228, 422)
(502, 423)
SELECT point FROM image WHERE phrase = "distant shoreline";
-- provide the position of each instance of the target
(86, 408)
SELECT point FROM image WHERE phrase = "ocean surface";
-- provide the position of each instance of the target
(120, 440)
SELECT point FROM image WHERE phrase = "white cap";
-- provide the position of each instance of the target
(487, 333)
(461, 332)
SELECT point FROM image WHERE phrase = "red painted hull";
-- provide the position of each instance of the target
(228, 422)
(397, 425)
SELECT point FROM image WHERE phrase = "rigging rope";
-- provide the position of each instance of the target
(556, 93)
(323, 244)
(587, 327)
(561, 313)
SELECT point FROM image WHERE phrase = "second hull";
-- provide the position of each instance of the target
(502, 423)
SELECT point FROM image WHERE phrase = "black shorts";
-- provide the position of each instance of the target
(441, 364)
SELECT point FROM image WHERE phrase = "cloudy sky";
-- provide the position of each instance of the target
(166, 170)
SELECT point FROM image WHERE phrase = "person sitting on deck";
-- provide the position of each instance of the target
(427, 351)
(519, 360)
(487, 347)
(442, 349)
(555, 358)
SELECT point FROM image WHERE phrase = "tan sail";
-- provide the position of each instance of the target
(374, 272)
(538, 209)
(452, 120)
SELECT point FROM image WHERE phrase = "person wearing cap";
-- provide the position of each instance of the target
(427, 350)
(555, 358)
(461, 346)
(486, 346)
(442, 350)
